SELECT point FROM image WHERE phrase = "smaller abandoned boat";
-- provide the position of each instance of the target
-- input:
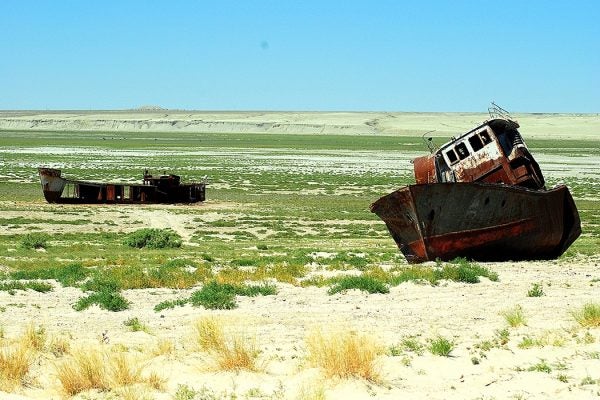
(161, 189)
(481, 196)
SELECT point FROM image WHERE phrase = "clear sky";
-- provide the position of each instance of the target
(528, 56)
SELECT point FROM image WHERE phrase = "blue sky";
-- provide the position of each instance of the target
(528, 56)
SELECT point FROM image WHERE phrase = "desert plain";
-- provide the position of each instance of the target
(287, 212)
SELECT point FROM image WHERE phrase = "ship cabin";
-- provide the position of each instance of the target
(493, 152)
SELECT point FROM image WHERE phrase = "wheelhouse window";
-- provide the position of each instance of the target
(485, 137)
(476, 143)
(451, 156)
(462, 151)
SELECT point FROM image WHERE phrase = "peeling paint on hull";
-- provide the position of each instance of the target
(485, 222)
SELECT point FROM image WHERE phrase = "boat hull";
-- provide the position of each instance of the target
(60, 190)
(485, 222)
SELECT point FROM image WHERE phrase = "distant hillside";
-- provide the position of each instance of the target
(342, 123)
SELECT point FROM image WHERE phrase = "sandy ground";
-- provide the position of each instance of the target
(466, 313)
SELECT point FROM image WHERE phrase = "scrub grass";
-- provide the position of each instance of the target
(363, 282)
(536, 290)
(514, 317)
(15, 362)
(588, 316)
(83, 370)
(135, 325)
(67, 275)
(35, 240)
(153, 238)
(229, 352)
(98, 368)
(440, 346)
(345, 355)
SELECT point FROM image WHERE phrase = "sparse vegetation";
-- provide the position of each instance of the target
(344, 354)
(135, 325)
(514, 316)
(15, 362)
(293, 209)
(153, 238)
(35, 240)
(228, 351)
(536, 290)
(107, 300)
(588, 316)
(440, 346)
(362, 282)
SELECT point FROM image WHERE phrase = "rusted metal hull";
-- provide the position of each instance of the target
(485, 222)
(57, 189)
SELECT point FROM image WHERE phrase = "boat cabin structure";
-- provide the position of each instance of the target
(493, 152)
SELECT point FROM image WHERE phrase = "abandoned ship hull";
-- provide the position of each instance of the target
(485, 222)
(166, 189)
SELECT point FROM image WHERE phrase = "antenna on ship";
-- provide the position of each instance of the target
(496, 112)
(429, 142)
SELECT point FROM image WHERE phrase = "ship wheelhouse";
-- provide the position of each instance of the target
(494, 152)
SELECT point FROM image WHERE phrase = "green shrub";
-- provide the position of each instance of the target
(67, 275)
(101, 283)
(135, 325)
(441, 346)
(170, 304)
(362, 282)
(535, 291)
(35, 240)
(215, 296)
(254, 290)
(153, 238)
(466, 271)
(40, 287)
(111, 301)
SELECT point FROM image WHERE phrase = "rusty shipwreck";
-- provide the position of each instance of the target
(481, 196)
(153, 189)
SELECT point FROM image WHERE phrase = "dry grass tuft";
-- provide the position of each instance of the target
(163, 347)
(84, 370)
(34, 338)
(89, 369)
(344, 354)
(229, 352)
(312, 391)
(588, 316)
(156, 381)
(60, 345)
(124, 370)
(134, 392)
(14, 365)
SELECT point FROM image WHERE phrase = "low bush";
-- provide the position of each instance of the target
(41, 287)
(170, 304)
(153, 238)
(67, 275)
(111, 301)
(363, 282)
(35, 240)
(215, 296)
